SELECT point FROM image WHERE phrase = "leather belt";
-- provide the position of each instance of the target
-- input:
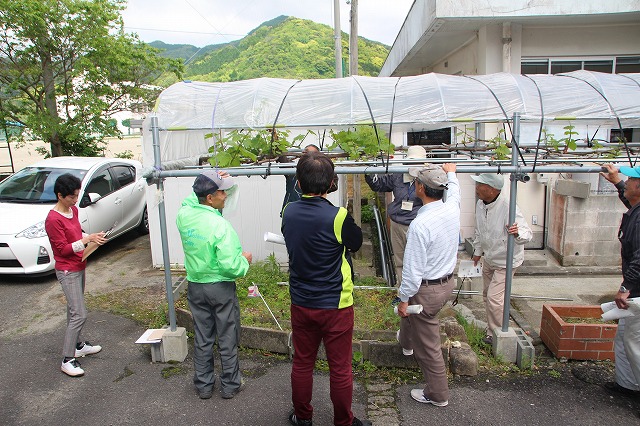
(438, 280)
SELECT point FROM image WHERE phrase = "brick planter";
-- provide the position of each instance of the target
(577, 341)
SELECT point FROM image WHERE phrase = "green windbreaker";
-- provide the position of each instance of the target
(212, 250)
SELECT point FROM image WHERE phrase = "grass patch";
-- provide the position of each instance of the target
(373, 310)
(145, 305)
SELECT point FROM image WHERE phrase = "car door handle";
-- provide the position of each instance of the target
(118, 201)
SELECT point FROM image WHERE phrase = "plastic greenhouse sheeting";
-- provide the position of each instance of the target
(421, 102)
(416, 103)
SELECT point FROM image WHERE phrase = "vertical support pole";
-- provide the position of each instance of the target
(512, 219)
(163, 224)
(353, 39)
(357, 207)
(337, 35)
(477, 132)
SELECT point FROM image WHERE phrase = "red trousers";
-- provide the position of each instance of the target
(333, 327)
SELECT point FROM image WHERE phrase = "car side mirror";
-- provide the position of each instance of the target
(89, 199)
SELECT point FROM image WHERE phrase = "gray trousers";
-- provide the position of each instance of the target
(216, 315)
(626, 347)
(398, 243)
(73, 287)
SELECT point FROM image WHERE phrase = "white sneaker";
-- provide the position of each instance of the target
(418, 395)
(407, 352)
(88, 349)
(72, 368)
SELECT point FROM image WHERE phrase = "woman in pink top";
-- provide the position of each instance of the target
(68, 243)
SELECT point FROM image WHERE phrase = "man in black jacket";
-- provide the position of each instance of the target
(627, 340)
(320, 238)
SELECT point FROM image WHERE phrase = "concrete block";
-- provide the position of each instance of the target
(505, 344)
(573, 188)
(263, 338)
(156, 352)
(525, 352)
(174, 345)
(463, 360)
(388, 354)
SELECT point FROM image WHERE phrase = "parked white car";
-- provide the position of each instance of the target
(112, 196)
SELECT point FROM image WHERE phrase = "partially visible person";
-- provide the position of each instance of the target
(213, 259)
(627, 341)
(292, 189)
(404, 207)
(490, 240)
(68, 243)
(427, 278)
(320, 238)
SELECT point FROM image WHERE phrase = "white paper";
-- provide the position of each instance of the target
(612, 312)
(152, 335)
(467, 270)
(273, 238)
(411, 309)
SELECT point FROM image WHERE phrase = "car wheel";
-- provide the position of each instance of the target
(143, 228)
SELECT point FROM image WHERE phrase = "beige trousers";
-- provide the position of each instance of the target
(493, 295)
(421, 332)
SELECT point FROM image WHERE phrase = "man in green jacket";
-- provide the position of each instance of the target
(213, 259)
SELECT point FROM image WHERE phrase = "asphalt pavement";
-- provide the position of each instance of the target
(122, 386)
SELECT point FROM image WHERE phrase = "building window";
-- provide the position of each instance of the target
(627, 64)
(439, 137)
(565, 66)
(599, 66)
(535, 66)
(616, 136)
(620, 64)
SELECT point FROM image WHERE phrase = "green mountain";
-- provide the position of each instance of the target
(285, 47)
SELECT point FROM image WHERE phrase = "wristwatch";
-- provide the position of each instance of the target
(623, 289)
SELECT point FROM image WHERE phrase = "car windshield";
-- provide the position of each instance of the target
(34, 184)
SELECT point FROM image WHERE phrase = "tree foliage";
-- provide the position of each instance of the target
(67, 65)
(284, 47)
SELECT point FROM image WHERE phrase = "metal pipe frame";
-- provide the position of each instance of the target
(491, 166)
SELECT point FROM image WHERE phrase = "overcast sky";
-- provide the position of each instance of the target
(203, 22)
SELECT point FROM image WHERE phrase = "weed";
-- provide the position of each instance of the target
(322, 365)
(555, 374)
(173, 370)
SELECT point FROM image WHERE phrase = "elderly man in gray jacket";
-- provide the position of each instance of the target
(490, 239)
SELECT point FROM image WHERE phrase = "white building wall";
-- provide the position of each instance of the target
(464, 61)
(592, 40)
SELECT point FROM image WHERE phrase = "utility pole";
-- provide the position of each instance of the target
(353, 39)
(337, 35)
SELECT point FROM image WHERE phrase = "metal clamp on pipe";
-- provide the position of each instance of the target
(521, 177)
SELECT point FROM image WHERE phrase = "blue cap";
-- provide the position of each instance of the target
(633, 172)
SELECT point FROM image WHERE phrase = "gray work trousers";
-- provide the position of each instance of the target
(216, 316)
(72, 284)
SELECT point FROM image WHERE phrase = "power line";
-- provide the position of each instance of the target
(183, 32)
